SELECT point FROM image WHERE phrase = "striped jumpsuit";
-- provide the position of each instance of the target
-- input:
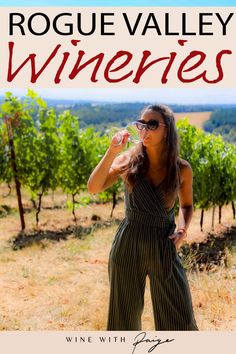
(141, 247)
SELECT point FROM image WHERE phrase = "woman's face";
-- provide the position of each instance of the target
(153, 137)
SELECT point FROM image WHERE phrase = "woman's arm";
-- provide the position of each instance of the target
(185, 195)
(106, 172)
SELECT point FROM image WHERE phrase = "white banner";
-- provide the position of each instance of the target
(118, 47)
(117, 342)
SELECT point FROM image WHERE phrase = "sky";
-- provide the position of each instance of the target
(159, 95)
(117, 3)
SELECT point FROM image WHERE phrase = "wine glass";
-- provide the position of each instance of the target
(134, 136)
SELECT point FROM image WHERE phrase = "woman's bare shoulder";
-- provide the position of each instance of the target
(124, 158)
(185, 170)
(184, 164)
(121, 159)
(121, 163)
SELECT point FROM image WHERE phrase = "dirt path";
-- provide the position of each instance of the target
(63, 285)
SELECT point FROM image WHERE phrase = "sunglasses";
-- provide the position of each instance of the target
(150, 125)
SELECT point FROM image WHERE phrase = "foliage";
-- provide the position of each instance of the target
(52, 150)
(223, 122)
(214, 166)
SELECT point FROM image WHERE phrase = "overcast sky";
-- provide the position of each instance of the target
(162, 95)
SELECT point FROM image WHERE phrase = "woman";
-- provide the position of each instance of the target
(146, 240)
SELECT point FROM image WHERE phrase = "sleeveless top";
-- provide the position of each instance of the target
(146, 204)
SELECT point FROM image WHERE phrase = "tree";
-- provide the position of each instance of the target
(74, 156)
(46, 161)
(16, 127)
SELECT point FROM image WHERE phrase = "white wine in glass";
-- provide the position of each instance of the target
(134, 136)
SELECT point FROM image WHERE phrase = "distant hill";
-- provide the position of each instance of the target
(223, 122)
(101, 115)
(195, 118)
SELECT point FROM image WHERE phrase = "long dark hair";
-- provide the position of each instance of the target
(139, 163)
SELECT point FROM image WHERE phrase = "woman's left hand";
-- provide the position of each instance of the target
(178, 237)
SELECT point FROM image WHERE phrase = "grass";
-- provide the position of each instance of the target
(63, 285)
(195, 118)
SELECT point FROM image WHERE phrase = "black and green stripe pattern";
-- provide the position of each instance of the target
(141, 248)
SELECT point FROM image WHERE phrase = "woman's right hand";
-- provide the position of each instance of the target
(119, 141)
